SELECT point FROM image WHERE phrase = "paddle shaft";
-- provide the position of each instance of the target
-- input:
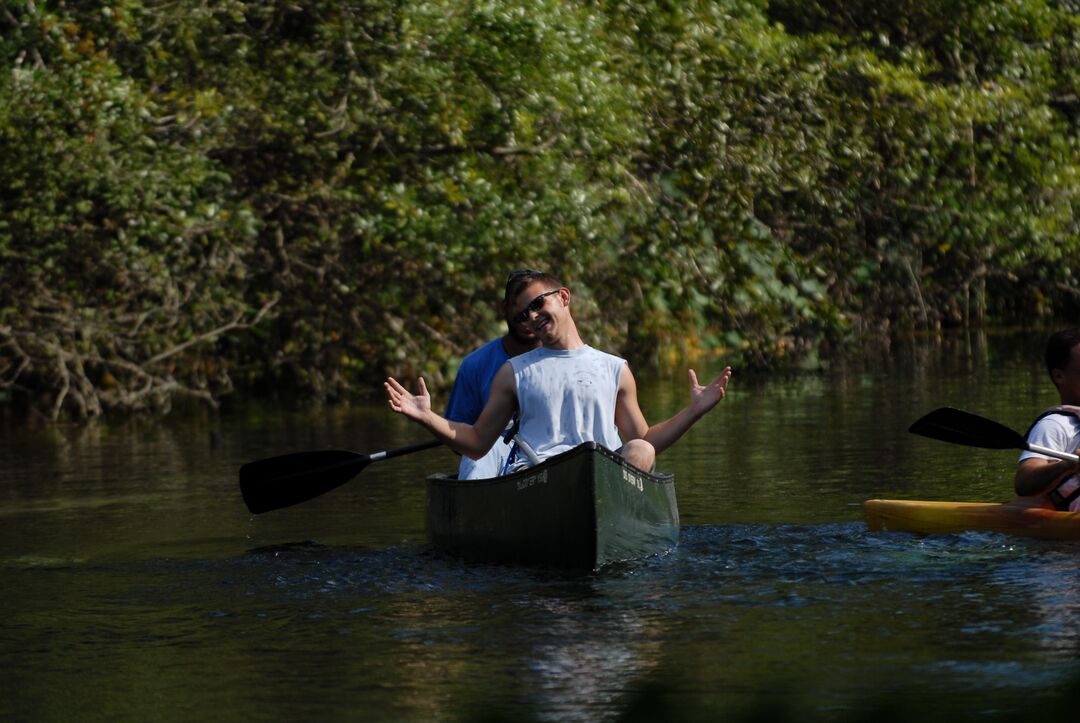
(1067, 456)
(361, 460)
(419, 446)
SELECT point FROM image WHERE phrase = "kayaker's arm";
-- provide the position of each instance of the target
(631, 422)
(472, 440)
(1034, 474)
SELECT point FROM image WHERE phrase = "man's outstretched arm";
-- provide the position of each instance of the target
(472, 440)
(631, 422)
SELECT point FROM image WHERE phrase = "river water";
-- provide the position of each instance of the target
(136, 586)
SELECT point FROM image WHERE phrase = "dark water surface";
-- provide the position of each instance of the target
(137, 587)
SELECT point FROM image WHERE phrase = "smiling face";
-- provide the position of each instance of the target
(541, 310)
(519, 331)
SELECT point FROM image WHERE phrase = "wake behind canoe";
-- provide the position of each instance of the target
(1018, 517)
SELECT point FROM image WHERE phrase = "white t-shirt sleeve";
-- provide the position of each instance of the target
(1054, 431)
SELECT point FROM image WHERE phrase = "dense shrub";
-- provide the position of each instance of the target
(308, 196)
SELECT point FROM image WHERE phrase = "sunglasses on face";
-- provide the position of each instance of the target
(535, 305)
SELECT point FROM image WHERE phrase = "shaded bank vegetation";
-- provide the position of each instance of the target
(309, 195)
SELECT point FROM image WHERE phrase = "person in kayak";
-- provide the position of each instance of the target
(472, 384)
(1057, 481)
(565, 392)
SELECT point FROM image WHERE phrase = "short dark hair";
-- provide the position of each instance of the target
(521, 278)
(1059, 348)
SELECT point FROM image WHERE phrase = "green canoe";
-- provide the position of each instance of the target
(582, 509)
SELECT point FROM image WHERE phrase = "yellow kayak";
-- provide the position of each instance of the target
(1022, 517)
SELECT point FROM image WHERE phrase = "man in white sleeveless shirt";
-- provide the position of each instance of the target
(1057, 428)
(566, 392)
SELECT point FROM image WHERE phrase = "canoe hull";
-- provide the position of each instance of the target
(582, 509)
(1020, 517)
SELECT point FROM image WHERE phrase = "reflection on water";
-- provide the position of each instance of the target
(824, 616)
(138, 585)
(542, 641)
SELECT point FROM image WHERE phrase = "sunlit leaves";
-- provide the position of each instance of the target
(755, 176)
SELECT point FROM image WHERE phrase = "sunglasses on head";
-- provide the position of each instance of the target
(535, 305)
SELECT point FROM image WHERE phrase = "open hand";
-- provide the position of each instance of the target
(704, 398)
(402, 401)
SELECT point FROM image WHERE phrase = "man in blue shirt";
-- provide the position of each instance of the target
(472, 385)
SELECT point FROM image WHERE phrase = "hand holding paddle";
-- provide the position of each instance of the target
(288, 479)
(960, 427)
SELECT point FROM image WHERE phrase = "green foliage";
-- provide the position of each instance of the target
(312, 195)
(119, 245)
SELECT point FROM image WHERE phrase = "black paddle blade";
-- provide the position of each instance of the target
(276, 482)
(960, 427)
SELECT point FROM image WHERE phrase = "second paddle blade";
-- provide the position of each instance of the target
(270, 484)
(959, 427)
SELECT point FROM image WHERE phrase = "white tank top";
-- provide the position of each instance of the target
(567, 398)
